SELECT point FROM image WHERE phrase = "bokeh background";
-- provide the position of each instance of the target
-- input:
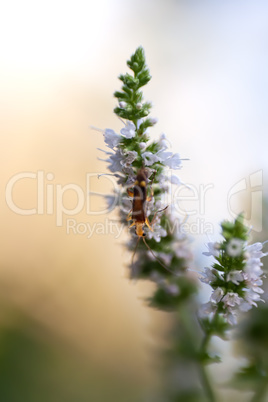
(72, 326)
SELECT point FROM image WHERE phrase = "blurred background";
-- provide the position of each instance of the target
(72, 326)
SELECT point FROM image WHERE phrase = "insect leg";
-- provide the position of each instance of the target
(148, 224)
(130, 192)
(132, 224)
(129, 216)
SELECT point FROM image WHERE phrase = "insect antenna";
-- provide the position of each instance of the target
(134, 252)
(157, 212)
(157, 259)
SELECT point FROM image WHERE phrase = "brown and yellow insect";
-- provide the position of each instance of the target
(139, 193)
(138, 213)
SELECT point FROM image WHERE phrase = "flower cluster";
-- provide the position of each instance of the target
(162, 256)
(236, 277)
(130, 152)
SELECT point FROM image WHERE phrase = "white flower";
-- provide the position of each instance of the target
(111, 138)
(208, 276)
(129, 130)
(250, 299)
(153, 120)
(150, 206)
(164, 155)
(115, 160)
(130, 180)
(207, 308)
(234, 247)
(112, 201)
(213, 249)
(150, 158)
(254, 250)
(231, 299)
(216, 295)
(130, 157)
(253, 282)
(157, 233)
(174, 179)
(231, 317)
(139, 105)
(157, 278)
(253, 274)
(107, 153)
(164, 183)
(253, 265)
(125, 205)
(235, 277)
(122, 104)
(142, 145)
(174, 162)
(158, 205)
(245, 306)
(253, 268)
(139, 122)
(163, 142)
(166, 258)
(169, 159)
(172, 289)
(183, 251)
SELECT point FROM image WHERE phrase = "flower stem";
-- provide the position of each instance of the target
(191, 332)
(203, 373)
(203, 354)
(261, 391)
(205, 343)
(206, 383)
(208, 334)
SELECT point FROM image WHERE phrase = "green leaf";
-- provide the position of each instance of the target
(164, 300)
(249, 376)
(121, 95)
(216, 327)
(235, 229)
(206, 358)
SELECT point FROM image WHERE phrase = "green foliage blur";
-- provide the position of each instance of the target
(37, 366)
